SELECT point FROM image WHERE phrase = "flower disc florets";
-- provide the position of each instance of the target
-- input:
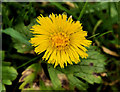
(60, 40)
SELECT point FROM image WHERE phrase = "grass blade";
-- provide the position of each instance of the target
(82, 12)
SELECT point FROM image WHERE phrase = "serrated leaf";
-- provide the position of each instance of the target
(87, 70)
(9, 74)
(75, 82)
(89, 77)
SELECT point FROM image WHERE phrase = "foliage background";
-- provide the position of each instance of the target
(100, 19)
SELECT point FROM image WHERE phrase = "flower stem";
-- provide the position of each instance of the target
(28, 62)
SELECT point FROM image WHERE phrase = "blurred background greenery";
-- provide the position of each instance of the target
(100, 19)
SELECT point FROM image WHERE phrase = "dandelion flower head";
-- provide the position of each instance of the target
(62, 39)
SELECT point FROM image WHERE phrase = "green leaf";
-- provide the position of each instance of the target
(43, 87)
(53, 75)
(89, 77)
(9, 74)
(90, 8)
(20, 41)
(5, 12)
(113, 10)
(7, 82)
(16, 35)
(21, 47)
(109, 22)
(88, 70)
(6, 63)
(78, 75)
(29, 75)
(75, 82)
(24, 30)
(28, 80)
(93, 7)
(2, 53)
(2, 87)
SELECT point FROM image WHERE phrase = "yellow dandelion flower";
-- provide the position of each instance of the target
(62, 40)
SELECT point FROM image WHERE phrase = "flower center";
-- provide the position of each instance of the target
(60, 40)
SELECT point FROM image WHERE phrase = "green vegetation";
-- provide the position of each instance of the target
(23, 69)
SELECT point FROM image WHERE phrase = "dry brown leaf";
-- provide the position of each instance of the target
(103, 74)
(35, 86)
(30, 52)
(45, 79)
(64, 81)
(25, 74)
(40, 76)
(44, 3)
(70, 4)
(106, 50)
